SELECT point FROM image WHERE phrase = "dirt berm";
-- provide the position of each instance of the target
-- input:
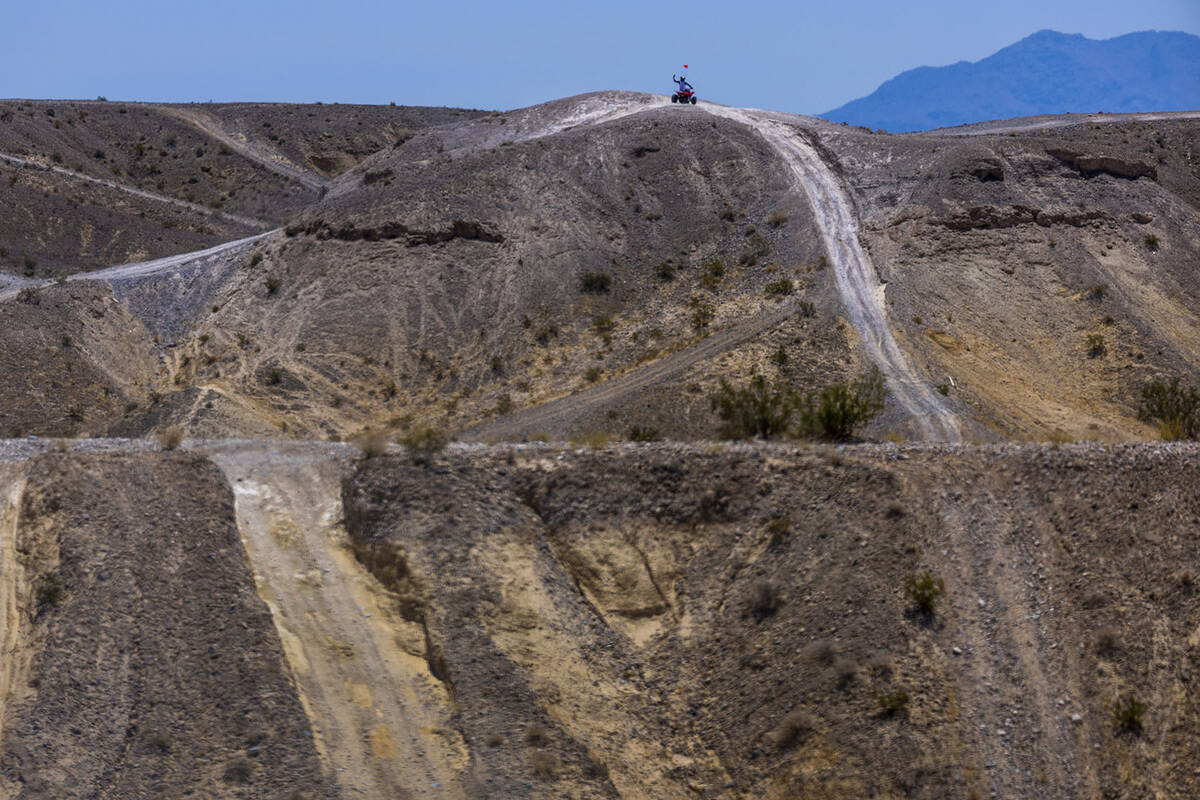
(705, 621)
(139, 662)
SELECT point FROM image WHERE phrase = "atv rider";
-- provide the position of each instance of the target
(684, 86)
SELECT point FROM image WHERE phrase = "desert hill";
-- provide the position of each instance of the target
(1045, 73)
(272, 611)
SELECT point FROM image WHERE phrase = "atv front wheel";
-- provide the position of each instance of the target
(674, 98)
(693, 101)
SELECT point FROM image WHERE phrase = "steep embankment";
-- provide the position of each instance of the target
(666, 621)
(145, 663)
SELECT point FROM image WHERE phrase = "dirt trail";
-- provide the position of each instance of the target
(11, 606)
(560, 413)
(381, 719)
(1058, 121)
(141, 269)
(255, 151)
(858, 284)
(249, 222)
(1013, 688)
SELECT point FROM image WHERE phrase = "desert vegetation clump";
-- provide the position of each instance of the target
(893, 703)
(643, 433)
(373, 443)
(777, 218)
(711, 274)
(924, 591)
(1127, 714)
(780, 288)
(170, 438)
(837, 411)
(758, 409)
(765, 599)
(1152, 243)
(703, 313)
(423, 443)
(272, 283)
(1175, 409)
(1096, 346)
(792, 730)
(49, 590)
(545, 765)
(665, 271)
(595, 283)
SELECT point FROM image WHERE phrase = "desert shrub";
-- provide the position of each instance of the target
(653, 214)
(778, 530)
(780, 357)
(49, 590)
(703, 313)
(642, 433)
(1096, 346)
(892, 703)
(240, 770)
(756, 409)
(924, 590)
(170, 438)
(665, 271)
(728, 214)
(805, 309)
(373, 443)
(1098, 292)
(536, 735)
(255, 260)
(595, 282)
(274, 376)
(764, 599)
(780, 288)
(593, 374)
(545, 333)
(792, 730)
(157, 739)
(845, 672)
(836, 411)
(1127, 714)
(1152, 243)
(1108, 642)
(943, 388)
(777, 218)
(603, 324)
(757, 248)
(545, 765)
(495, 740)
(272, 283)
(1175, 408)
(423, 443)
(711, 274)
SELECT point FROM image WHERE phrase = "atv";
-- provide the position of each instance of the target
(686, 96)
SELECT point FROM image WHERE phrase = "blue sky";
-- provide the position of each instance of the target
(799, 56)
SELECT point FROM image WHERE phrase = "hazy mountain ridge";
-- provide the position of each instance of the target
(1046, 73)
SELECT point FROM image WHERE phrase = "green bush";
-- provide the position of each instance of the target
(642, 433)
(1096, 346)
(780, 288)
(1127, 714)
(1152, 243)
(423, 443)
(892, 703)
(756, 409)
(834, 412)
(924, 590)
(665, 271)
(1175, 408)
(595, 282)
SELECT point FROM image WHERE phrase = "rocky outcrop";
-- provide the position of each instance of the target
(997, 217)
(1090, 165)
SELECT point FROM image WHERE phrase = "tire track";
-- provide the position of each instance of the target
(262, 156)
(562, 412)
(248, 222)
(857, 282)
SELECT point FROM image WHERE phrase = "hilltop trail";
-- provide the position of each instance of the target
(249, 222)
(378, 714)
(859, 287)
(254, 151)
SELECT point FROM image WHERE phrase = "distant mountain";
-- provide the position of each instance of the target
(1046, 73)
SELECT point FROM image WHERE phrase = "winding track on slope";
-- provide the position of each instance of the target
(141, 269)
(254, 151)
(857, 282)
(249, 222)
